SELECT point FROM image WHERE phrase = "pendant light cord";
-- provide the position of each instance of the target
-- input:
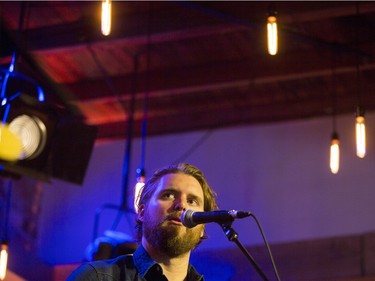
(357, 56)
(4, 237)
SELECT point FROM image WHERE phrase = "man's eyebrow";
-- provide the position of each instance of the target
(198, 198)
(168, 190)
(190, 195)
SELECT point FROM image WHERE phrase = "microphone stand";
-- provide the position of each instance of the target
(233, 237)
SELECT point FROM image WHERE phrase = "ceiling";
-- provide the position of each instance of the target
(193, 65)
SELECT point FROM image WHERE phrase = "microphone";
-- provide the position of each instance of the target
(190, 218)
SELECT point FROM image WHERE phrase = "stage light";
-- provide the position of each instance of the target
(54, 144)
(26, 130)
(33, 135)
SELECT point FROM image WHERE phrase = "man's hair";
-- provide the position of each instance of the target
(182, 168)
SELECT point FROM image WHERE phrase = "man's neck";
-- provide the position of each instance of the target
(174, 268)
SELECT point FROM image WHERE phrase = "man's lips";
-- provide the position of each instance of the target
(176, 222)
(175, 219)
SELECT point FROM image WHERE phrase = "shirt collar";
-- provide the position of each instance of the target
(143, 262)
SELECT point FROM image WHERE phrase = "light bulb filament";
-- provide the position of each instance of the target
(334, 156)
(360, 136)
(272, 35)
(106, 17)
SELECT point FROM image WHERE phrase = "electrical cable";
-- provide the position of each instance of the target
(123, 207)
(333, 91)
(127, 156)
(141, 173)
(194, 146)
(358, 76)
(147, 89)
(267, 246)
(4, 237)
(131, 121)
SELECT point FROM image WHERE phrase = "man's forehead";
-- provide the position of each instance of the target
(178, 181)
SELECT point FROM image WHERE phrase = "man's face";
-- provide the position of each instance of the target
(162, 227)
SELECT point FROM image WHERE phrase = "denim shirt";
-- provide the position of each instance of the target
(137, 267)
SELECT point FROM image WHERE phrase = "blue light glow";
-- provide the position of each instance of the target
(40, 94)
(4, 101)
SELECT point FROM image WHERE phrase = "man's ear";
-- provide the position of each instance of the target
(141, 212)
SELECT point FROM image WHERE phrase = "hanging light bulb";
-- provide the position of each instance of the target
(138, 187)
(272, 33)
(360, 132)
(106, 17)
(334, 162)
(3, 260)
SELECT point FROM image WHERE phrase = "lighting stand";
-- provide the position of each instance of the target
(233, 237)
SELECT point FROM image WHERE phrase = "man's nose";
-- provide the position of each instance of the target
(180, 205)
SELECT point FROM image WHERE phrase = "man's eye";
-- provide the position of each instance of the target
(168, 195)
(194, 202)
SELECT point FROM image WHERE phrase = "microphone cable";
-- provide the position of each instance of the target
(267, 245)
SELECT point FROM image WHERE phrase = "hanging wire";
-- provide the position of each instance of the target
(126, 164)
(4, 237)
(193, 147)
(11, 67)
(146, 94)
(334, 145)
(141, 168)
(333, 90)
(127, 156)
(358, 90)
(11, 72)
(122, 208)
(360, 111)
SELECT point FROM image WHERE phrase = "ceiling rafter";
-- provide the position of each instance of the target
(203, 58)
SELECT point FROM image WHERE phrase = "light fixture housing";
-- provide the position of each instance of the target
(55, 144)
(34, 123)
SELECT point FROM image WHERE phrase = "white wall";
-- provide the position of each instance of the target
(279, 172)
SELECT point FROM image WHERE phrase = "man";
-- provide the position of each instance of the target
(165, 244)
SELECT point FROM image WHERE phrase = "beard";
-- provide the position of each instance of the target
(170, 239)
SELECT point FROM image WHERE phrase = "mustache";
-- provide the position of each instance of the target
(173, 216)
